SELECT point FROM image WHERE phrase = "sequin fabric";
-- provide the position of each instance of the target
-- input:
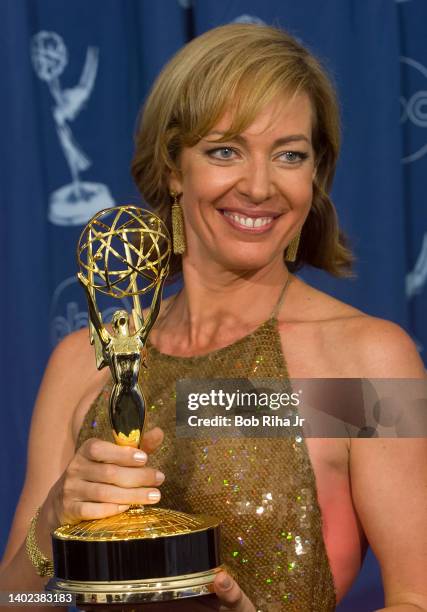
(263, 490)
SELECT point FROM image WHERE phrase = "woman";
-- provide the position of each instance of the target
(241, 132)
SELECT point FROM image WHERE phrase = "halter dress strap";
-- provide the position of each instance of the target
(281, 299)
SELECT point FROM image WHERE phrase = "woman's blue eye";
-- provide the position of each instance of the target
(294, 156)
(225, 153)
(221, 153)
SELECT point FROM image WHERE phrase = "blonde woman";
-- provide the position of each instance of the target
(241, 131)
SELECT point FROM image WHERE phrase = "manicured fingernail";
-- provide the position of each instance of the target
(122, 508)
(154, 495)
(225, 582)
(159, 477)
(140, 456)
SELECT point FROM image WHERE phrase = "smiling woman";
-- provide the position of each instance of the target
(225, 197)
(236, 150)
(211, 92)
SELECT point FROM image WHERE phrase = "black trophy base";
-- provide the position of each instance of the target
(144, 555)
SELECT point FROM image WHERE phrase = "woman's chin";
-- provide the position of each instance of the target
(229, 257)
(246, 262)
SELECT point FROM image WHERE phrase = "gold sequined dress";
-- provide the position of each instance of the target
(262, 489)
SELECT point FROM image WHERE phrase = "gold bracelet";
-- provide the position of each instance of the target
(42, 565)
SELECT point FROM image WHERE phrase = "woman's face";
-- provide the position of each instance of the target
(245, 199)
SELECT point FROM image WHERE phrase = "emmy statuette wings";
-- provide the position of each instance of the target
(145, 554)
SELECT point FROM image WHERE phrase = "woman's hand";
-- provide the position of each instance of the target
(104, 479)
(230, 594)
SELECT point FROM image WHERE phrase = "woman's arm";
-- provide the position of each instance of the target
(389, 479)
(100, 479)
(49, 452)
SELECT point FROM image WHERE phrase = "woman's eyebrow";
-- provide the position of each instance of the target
(277, 143)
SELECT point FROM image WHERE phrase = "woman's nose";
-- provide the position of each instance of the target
(255, 182)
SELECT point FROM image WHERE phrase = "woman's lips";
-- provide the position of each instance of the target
(252, 225)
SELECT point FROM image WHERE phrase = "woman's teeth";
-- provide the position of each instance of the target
(248, 221)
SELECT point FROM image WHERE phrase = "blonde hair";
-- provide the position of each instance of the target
(243, 67)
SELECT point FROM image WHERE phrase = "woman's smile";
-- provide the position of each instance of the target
(252, 223)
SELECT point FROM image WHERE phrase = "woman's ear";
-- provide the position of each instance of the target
(314, 175)
(175, 182)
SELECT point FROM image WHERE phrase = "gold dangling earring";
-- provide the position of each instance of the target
(291, 251)
(178, 231)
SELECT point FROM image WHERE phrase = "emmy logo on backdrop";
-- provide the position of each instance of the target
(66, 312)
(416, 278)
(76, 203)
(413, 104)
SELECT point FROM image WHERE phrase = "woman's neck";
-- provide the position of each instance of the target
(214, 310)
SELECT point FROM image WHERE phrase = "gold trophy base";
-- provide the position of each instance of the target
(136, 591)
(144, 555)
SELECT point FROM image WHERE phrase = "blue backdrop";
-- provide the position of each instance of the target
(73, 77)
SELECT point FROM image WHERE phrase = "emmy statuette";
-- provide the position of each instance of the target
(146, 554)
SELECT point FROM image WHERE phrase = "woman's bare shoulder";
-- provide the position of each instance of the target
(373, 347)
(76, 344)
(306, 304)
(70, 374)
(385, 349)
(74, 358)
